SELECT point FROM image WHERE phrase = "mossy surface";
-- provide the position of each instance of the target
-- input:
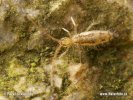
(26, 52)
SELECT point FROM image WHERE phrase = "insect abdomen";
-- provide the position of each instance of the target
(92, 38)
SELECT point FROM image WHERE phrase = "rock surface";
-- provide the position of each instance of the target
(26, 51)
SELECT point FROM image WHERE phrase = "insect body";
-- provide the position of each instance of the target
(87, 38)
(92, 38)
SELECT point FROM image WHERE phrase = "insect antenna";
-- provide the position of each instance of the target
(43, 31)
(40, 28)
(53, 38)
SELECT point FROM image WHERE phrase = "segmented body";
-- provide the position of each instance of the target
(87, 38)
(92, 38)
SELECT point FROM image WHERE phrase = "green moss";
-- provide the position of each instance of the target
(108, 58)
(16, 69)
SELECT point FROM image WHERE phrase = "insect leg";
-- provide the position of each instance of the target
(75, 25)
(73, 22)
(91, 25)
(80, 53)
(68, 32)
(53, 68)
(64, 52)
